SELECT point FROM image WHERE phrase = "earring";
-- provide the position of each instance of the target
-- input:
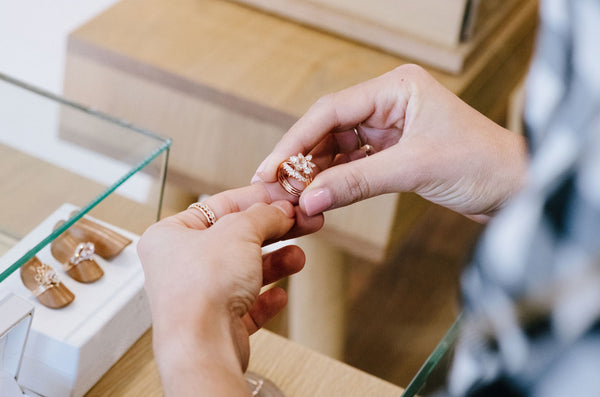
(44, 284)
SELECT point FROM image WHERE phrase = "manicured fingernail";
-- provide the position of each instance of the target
(256, 179)
(316, 201)
(286, 207)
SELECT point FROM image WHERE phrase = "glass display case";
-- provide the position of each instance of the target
(53, 151)
(435, 369)
(67, 169)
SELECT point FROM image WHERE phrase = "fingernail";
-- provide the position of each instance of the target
(256, 179)
(316, 201)
(286, 207)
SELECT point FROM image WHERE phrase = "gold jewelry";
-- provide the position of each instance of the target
(368, 149)
(83, 252)
(46, 278)
(296, 167)
(210, 216)
(359, 141)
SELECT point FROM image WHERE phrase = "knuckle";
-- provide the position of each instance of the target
(358, 185)
(410, 70)
(325, 101)
(144, 245)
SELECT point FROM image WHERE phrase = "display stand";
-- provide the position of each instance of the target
(69, 349)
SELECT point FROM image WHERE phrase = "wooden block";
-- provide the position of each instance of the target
(226, 81)
(426, 31)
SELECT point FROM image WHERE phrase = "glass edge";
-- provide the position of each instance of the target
(85, 209)
(429, 365)
(86, 109)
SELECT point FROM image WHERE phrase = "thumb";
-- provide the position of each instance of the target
(263, 222)
(349, 182)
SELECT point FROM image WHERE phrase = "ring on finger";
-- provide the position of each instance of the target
(208, 213)
(368, 149)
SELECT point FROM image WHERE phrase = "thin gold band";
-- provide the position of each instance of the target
(210, 216)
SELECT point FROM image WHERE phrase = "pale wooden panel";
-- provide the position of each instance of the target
(427, 38)
(438, 21)
(296, 370)
(301, 372)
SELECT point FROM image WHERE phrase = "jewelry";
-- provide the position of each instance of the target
(107, 242)
(46, 277)
(359, 141)
(296, 167)
(44, 284)
(368, 149)
(83, 252)
(76, 256)
(210, 216)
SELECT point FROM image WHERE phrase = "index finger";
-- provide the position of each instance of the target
(334, 112)
(237, 200)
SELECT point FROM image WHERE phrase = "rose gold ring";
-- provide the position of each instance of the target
(210, 216)
(368, 149)
(358, 140)
(298, 168)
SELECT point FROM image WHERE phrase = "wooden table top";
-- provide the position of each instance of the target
(296, 370)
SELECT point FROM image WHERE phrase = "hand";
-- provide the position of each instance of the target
(204, 285)
(426, 140)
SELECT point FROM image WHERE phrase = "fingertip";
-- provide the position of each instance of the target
(286, 207)
(316, 201)
(265, 171)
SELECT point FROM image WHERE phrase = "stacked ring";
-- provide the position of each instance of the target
(210, 216)
(298, 168)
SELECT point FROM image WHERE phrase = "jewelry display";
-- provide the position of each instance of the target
(44, 284)
(76, 257)
(298, 168)
(107, 242)
(208, 213)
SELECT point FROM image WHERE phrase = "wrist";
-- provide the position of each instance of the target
(197, 352)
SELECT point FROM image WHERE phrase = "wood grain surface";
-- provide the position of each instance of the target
(296, 370)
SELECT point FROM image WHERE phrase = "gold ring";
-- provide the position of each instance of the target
(368, 149)
(298, 168)
(206, 211)
(359, 141)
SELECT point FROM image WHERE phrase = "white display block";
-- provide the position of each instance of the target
(15, 320)
(69, 349)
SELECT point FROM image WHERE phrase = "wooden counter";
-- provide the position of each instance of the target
(296, 370)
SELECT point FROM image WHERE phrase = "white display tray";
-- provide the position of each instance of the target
(69, 349)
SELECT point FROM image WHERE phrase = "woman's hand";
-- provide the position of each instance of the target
(204, 285)
(426, 140)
